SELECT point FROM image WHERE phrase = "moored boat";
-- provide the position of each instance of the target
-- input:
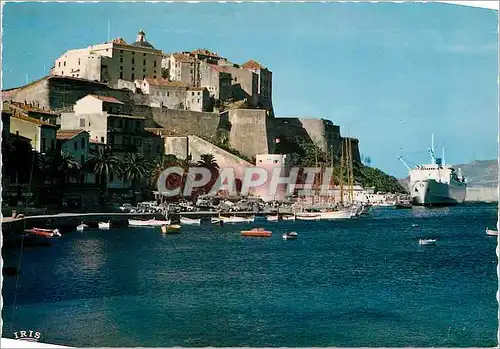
(342, 214)
(147, 223)
(256, 232)
(491, 232)
(236, 219)
(171, 229)
(104, 225)
(185, 220)
(289, 218)
(47, 233)
(273, 218)
(308, 216)
(81, 227)
(290, 236)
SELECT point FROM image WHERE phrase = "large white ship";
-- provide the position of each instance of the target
(436, 183)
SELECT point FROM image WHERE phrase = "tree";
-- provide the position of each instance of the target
(65, 168)
(134, 169)
(103, 164)
(208, 161)
(160, 164)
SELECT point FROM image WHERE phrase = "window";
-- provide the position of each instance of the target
(121, 51)
(83, 143)
(17, 133)
(121, 75)
(52, 144)
(154, 64)
(133, 52)
(133, 68)
(43, 144)
(144, 70)
(198, 93)
(144, 62)
(59, 65)
(102, 139)
(62, 73)
(154, 76)
(144, 76)
(137, 124)
(75, 145)
(168, 94)
(133, 76)
(126, 141)
(78, 61)
(198, 100)
(64, 63)
(133, 60)
(121, 59)
(192, 93)
(144, 54)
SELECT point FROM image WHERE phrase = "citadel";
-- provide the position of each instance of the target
(187, 104)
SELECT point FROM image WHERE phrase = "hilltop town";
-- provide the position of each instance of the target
(120, 99)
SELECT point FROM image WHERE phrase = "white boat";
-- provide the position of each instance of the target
(289, 218)
(308, 216)
(427, 241)
(491, 232)
(273, 218)
(147, 223)
(436, 183)
(236, 219)
(81, 227)
(215, 220)
(185, 220)
(289, 236)
(104, 225)
(342, 214)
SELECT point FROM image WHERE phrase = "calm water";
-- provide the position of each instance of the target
(361, 282)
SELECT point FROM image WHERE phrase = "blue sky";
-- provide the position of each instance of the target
(388, 74)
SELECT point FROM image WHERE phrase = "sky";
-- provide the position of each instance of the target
(390, 74)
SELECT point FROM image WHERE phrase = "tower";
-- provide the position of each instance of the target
(141, 36)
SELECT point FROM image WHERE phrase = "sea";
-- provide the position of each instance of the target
(362, 282)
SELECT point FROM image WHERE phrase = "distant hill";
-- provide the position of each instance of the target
(479, 173)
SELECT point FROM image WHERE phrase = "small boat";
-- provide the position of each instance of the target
(415, 225)
(290, 236)
(104, 225)
(491, 232)
(403, 205)
(82, 227)
(288, 218)
(171, 229)
(47, 233)
(256, 232)
(273, 218)
(366, 209)
(236, 219)
(427, 241)
(185, 220)
(147, 223)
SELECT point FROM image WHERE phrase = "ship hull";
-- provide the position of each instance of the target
(432, 193)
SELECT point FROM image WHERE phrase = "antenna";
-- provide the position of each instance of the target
(432, 143)
(443, 157)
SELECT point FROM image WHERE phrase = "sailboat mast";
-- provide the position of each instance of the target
(342, 174)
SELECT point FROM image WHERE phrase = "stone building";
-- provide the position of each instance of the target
(41, 133)
(76, 142)
(265, 89)
(271, 162)
(182, 67)
(244, 84)
(197, 99)
(111, 61)
(216, 80)
(163, 93)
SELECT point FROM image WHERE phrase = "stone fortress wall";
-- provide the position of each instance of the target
(250, 131)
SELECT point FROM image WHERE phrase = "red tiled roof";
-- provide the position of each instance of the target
(68, 134)
(107, 99)
(182, 57)
(196, 88)
(33, 120)
(203, 51)
(216, 68)
(165, 82)
(251, 64)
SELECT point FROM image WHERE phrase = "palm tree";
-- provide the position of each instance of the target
(103, 164)
(134, 169)
(208, 161)
(64, 167)
(158, 165)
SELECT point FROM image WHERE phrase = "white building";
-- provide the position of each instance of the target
(111, 61)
